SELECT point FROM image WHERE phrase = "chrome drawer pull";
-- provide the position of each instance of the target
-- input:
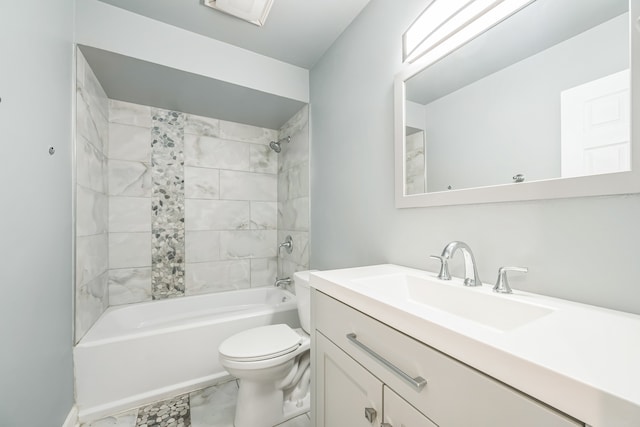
(418, 382)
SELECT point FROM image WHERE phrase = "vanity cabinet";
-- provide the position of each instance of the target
(361, 363)
(354, 397)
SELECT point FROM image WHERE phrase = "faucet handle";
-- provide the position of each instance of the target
(444, 267)
(502, 284)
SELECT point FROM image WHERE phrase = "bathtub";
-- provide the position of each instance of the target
(140, 353)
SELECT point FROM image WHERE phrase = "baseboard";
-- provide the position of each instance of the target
(72, 418)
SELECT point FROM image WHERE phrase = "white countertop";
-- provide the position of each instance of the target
(581, 359)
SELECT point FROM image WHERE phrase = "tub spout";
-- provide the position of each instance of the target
(281, 283)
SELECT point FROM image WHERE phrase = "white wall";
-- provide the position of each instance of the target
(36, 378)
(580, 249)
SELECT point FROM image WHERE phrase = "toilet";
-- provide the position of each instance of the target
(273, 366)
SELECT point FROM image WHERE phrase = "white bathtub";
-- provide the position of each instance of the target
(136, 354)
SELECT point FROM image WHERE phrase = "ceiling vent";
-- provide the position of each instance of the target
(253, 11)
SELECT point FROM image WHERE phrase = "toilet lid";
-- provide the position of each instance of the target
(260, 343)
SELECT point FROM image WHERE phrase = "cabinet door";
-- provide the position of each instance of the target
(398, 413)
(345, 391)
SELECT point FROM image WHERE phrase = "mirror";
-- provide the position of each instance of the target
(536, 107)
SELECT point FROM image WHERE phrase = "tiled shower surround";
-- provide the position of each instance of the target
(172, 204)
(205, 220)
(92, 207)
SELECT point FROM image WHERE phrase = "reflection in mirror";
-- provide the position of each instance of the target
(542, 95)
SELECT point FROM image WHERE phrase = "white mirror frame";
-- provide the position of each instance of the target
(594, 185)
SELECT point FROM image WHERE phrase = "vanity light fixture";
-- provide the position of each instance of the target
(446, 25)
(252, 11)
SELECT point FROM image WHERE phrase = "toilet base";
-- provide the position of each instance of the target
(269, 410)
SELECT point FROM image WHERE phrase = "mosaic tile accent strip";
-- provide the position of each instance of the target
(167, 204)
(169, 413)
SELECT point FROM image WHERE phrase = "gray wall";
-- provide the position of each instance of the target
(36, 379)
(579, 249)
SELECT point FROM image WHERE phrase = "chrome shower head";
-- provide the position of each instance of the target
(275, 145)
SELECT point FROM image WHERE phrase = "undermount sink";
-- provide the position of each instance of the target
(477, 304)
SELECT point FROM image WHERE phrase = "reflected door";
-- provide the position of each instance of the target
(595, 120)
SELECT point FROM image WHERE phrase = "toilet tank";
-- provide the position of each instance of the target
(303, 296)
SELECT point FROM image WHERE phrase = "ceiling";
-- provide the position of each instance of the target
(298, 32)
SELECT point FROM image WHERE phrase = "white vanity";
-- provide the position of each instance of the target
(395, 346)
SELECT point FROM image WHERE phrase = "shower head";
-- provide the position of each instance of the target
(275, 145)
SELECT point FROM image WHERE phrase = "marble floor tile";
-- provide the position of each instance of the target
(299, 421)
(125, 419)
(211, 407)
(214, 406)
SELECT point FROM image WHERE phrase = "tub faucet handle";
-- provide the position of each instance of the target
(444, 267)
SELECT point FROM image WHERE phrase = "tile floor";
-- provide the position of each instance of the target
(211, 407)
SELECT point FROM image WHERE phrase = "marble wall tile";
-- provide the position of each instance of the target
(92, 255)
(81, 63)
(129, 114)
(132, 143)
(297, 151)
(129, 178)
(263, 271)
(92, 203)
(248, 186)
(294, 214)
(90, 124)
(202, 246)
(300, 253)
(129, 285)
(92, 212)
(202, 126)
(288, 268)
(294, 182)
(263, 159)
(91, 166)
(216, 215)
(201, 183)
(246, 133)
(297, 123)
(129, 214)
(248, 244)
(129, 250)
(99, 100)
(208, 152)
(219, 276)
(91, 302)
(264, 215)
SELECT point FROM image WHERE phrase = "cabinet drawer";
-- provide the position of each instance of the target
(398, 413)
(455, 394)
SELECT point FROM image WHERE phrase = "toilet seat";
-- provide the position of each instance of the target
(261, 343)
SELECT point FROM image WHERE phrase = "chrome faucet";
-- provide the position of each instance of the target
(471, 277)
(281, 283)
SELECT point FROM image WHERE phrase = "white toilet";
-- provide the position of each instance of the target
(272, 364)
